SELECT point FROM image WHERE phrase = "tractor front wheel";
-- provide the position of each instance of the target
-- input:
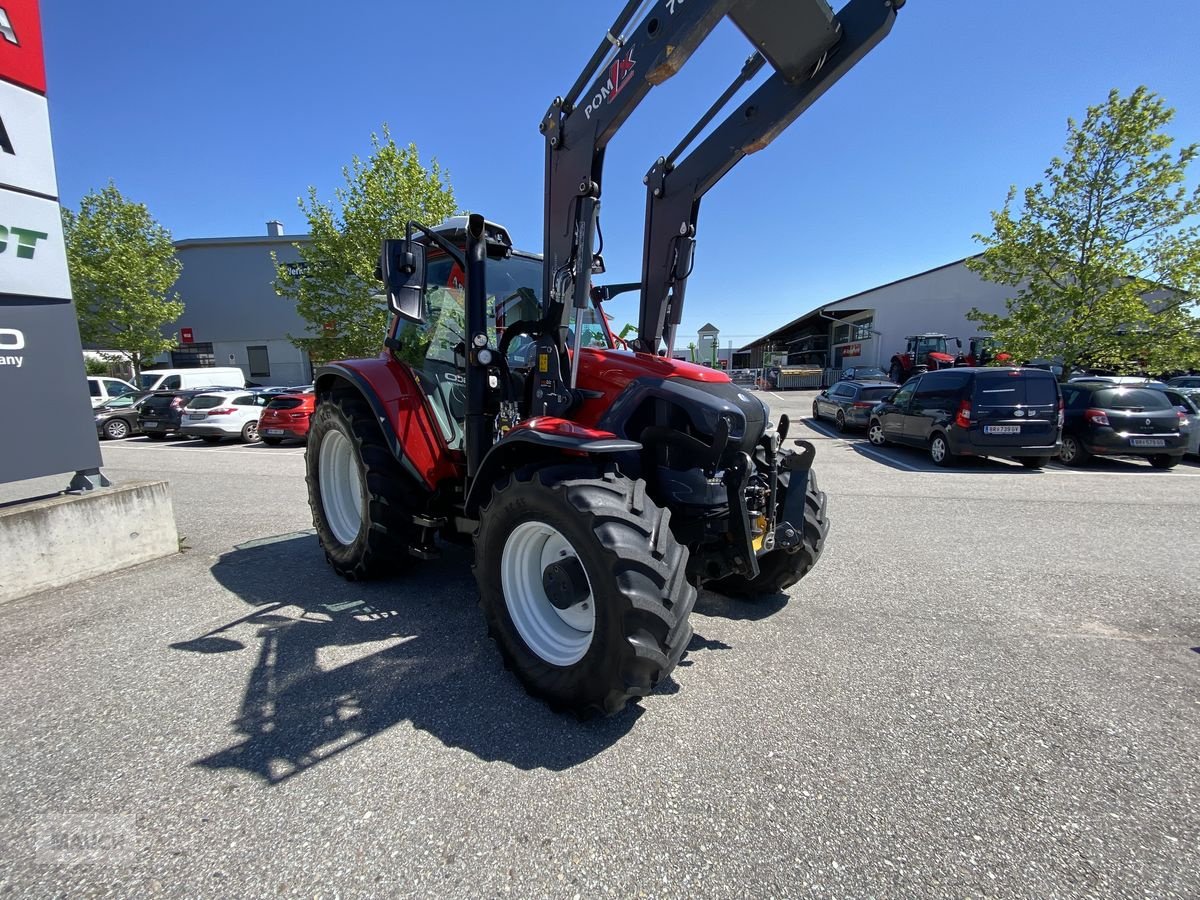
(583, 586)
(360, 505)
(780, 569)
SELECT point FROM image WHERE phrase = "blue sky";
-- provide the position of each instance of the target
(218, 115)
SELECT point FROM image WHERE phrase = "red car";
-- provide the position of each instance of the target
(286, 416)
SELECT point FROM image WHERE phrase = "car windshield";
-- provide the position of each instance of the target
(1015, 389)
(146, 379)
(1131, 398)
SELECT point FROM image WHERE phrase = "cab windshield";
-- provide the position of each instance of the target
(514, 288)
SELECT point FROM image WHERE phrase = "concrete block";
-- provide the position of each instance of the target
(57, 541)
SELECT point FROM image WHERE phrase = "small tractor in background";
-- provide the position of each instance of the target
(922, 353)
(599, 486)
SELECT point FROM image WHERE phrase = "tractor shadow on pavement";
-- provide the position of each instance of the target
(338, 663)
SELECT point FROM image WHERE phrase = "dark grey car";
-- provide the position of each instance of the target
(1010, 413)
(849, 403)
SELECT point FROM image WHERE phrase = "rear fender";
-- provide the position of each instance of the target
(409, 429)
(541, 439)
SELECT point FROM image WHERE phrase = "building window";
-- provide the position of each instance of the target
(192, 356)
(861, 330)
(260, 364)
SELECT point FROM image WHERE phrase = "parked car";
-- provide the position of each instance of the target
(160, 414)
(849, 403)
(864, 373)
(287, 416)
(217, 415)
(1011, 413)
(1184, 381)
(118, 417)
(190, 379)
(102, 388)
(1105, 419)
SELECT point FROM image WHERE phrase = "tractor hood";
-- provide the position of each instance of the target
(619, 367)
(943, 358)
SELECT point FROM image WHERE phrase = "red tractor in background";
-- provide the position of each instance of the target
(599, 486)
(922, 353)
(982, 352)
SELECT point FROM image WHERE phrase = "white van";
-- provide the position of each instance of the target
(184, 379)
(102, 388)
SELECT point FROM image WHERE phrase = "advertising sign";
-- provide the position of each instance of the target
(25, 141)
(21, 44)
(40, 356)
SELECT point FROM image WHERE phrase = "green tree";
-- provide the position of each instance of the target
(1102, 252)
(122, 265)
(335, 290)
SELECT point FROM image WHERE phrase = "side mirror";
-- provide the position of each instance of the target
(959, 342)
(402, 267)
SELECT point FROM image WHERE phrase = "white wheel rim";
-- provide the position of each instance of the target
(561, 637)
(341, 487)
(937, 450)
(117, 428)
(876, 433)
(1068, 449)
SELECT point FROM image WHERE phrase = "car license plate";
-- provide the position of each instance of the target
(274, 431)
(197, 415)
(1147, 442)
(1001, 429)
(149, 424)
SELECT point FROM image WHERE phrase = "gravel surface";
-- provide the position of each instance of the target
(989, 686)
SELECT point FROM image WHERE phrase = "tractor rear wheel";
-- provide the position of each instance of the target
(583, 586)
(780, 569)
(361, 505)
(896, 373)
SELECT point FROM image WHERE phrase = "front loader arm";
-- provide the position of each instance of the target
(807, 63)
(579, 125)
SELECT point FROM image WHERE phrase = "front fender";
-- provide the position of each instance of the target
(540, 439)
(409, 428)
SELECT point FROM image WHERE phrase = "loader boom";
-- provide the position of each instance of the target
(808, 47)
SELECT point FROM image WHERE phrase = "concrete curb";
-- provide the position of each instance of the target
(57, 541)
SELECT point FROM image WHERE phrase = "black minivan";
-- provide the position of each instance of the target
(1006, 412)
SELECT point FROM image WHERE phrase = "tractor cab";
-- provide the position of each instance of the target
(926, 349)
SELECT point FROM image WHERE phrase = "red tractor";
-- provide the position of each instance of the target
(599, 487)
(922, 352)
(982, 352)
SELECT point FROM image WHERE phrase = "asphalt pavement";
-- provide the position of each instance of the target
(989, 686)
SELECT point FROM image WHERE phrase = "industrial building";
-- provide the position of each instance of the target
(868, 327)
(232, 315)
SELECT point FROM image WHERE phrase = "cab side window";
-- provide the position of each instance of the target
(170, 384)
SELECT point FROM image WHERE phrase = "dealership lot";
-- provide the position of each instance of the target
(989, 686)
